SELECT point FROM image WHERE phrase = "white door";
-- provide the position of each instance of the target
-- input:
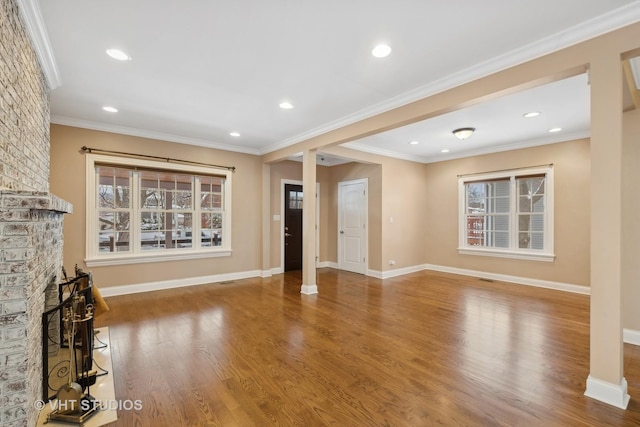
(352, 226)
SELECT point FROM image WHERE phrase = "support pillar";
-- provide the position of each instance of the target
(309, 285)
(606, 381)
(266, 220)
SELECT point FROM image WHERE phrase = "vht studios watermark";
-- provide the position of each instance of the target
(87, 405)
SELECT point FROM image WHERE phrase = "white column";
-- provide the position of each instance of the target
(309, 285)
(606, 381)
(266, 220)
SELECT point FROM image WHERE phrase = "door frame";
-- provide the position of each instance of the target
(364, 181)
(282, 213)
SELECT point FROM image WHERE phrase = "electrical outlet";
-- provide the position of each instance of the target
(392, 262)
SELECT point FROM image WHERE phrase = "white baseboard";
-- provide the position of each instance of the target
(277, 270)
(374, 273)
(266, 273)
(329, 264)
(396, 272)
(631, 337)
(567, 287)
(613, 394)
(170, 284)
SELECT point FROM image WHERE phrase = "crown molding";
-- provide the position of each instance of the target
(610, 21)
(144, 133)
(32, 17)
(468, 153)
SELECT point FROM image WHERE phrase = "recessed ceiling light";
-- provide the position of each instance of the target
(414, 142)
(110, 109)
(555, 130)
(118, 54)
(445, 150)
(381, 51)
(286, 105)
(531, 114)
(236, 134)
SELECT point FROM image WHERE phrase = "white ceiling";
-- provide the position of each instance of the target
(201, 69)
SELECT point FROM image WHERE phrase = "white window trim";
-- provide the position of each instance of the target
(525, 254)
(95, 259)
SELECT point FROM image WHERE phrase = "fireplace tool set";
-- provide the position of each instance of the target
(74, 402)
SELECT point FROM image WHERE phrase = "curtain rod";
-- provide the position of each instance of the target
(505, 170)
(146, 156)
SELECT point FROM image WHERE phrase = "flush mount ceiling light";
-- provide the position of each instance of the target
(234, 134)
(463, 133)
(285, 105)
(414, 143)
(381, 51)
(118, 54)
(531, 114)
(554, 130)
(444, 150)
(110, 109)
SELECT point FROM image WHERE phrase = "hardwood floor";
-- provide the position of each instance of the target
(419, 350)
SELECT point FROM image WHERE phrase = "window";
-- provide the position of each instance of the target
(508, 214)
(295, 199)
(145, 211)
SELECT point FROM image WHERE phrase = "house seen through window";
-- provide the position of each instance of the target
(139, 211)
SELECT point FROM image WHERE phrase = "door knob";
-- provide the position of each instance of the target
(341, 231)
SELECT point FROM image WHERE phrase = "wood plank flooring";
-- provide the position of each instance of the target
(424, 349)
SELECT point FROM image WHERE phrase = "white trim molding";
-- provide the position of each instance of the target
(631, 336)
(156, 257)
(309, 289)
(613, 394)
(327, 264)
(529, 256)
(547, 284)
(111, 291)
(33, 21)
(396, 271)
(558, 286)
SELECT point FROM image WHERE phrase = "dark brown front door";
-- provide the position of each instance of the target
(292, 227)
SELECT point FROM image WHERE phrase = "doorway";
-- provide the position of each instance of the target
(291, 224)
(292, 236)
(352, 225)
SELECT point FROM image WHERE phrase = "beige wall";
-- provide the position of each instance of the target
(288, 170)
(630, 221)
(347, 172)
(68, 181)
(572, 204)
(404, 199)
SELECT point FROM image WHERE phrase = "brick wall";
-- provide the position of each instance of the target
(30, 220)
(24, 108)
(31, 255)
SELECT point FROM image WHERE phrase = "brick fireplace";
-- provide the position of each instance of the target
(30, 218)
(31, 242)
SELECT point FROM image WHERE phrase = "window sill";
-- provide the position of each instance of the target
(529, 256)
(117, 259)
